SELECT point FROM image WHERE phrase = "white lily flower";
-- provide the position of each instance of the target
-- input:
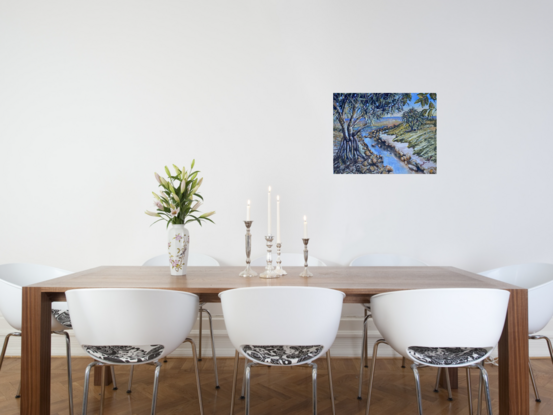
(174, 212)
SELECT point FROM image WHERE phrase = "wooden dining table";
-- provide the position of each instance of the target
(358, 283)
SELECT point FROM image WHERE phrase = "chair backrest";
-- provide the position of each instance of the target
(132, 317)
(194, 260)
(448, 317)
(385, 260)
(283, 316)
(13, 277)
(538, 279)
(289, 260)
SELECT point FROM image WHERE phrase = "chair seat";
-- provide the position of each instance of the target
(446, 356)
(125, 354)
(282, 355)
(62, 317)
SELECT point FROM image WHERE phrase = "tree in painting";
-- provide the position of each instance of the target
(384, 133)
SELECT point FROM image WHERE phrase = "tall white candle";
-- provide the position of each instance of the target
(305, 227)
(248, 211)
(269, 213)
(278, 219)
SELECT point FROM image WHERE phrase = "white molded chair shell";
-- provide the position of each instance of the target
(132, 317)
(538, 279)
(432, 318)
(385, 260)
(289, 260)
(194, 260)
(13, 277)
(291, 316)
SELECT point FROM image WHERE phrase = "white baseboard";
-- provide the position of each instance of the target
(347, 344)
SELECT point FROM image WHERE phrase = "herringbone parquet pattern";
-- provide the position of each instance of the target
(275, 391)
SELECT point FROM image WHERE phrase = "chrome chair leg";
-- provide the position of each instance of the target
(330, 382)
(243, 394)
(103, 390)
(234, 378)
(69, 376)
(484, 374)
(314, 381)
(449, 396)
(156, 384)
(436, 387)
(371, 378)
(469, 390)
(129, 390)
(18, 394)
(479, 409)
(201, 310)
(199, 386)
(113, 378)
(213, 348)
(86, 386)
(363, 356)
(247, 377)
(533, 381)
(4, 348)
(418, 386)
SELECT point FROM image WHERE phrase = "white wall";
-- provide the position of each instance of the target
(96, 96)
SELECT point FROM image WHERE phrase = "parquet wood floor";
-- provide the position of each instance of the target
(275, 391)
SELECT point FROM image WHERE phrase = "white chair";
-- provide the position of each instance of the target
(195, 259)
(538, 279)
(12, 279)
(289, 260)
(277, 326)
(381, 260)
(411, 326)
(135, 327)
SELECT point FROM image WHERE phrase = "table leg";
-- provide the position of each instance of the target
(514, 389)
(35, 352)
(108, 379)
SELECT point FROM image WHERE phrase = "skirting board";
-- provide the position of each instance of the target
(347, 344)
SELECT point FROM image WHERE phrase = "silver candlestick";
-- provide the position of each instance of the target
(305, 273)
(269, 269)
(278, 268)
(248, 272)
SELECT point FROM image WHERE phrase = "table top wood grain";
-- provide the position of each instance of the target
(358, 283)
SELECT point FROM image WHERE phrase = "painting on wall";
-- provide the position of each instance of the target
(385, 133)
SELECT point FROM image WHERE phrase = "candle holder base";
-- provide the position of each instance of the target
(248, 272)
(305, 273)
(280, 271)
(269, 274)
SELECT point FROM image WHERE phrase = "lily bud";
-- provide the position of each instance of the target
(193, 162)
(163, 181)
(182, 186)
(158, 178)
(155, 215)
(167, 171)
(176, 197)
(156, 196)
(197, 205)
(200, 183)
(177, 170)
(207, 215)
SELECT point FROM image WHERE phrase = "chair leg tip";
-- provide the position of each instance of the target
(367, 366)
(242, 397)
(129, 391)
(538, 400)
(403, 367)
(359, 398)
(199, 360)
(17, 396)
(217, 387)
(450, 399)
(436, 390)
(115, 388)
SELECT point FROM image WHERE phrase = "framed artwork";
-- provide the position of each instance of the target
(380, 133)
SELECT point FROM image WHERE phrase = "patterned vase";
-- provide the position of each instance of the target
(178, 245)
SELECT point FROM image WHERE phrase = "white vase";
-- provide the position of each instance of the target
(178, 245)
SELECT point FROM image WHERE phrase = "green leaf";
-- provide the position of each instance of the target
(434, 96)
(431, 105)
